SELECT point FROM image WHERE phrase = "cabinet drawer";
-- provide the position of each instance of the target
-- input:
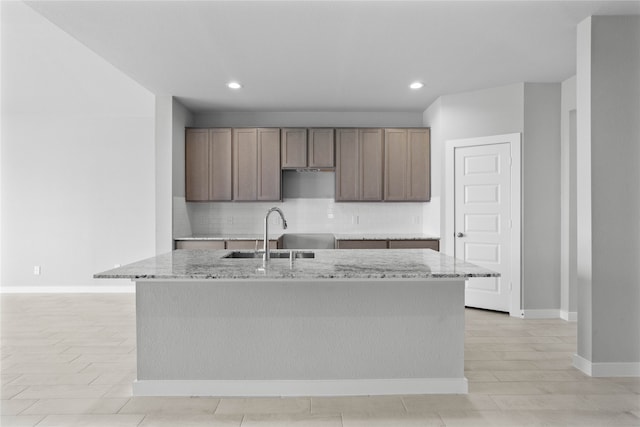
(414, 244)
(250, 244)
(199, 244)
(362, 244)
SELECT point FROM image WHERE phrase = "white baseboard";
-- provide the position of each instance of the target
(569, 316)
(623, 369)
(126, 289)
(256, 388)
(541, 314)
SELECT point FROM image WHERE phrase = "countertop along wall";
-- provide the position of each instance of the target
(307, 212)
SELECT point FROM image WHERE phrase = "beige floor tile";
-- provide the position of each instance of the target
(15, 407)
(617, 402)
(491, 365)
(582, 387)
(461, 418)
(172, 405)
(512, 340)
(480, 376)
(119, 390)
(20, 420)
(55, 379)
(75, 406)
(437, 403)
(392, 420)
(536, 355)
(109, 368)
(115, 378)
(515, 387)
(538, 375)
(44, 368)
(481, 355)
(588, 418)
(357, 405)
(98, 349)
(10, 391)
(64, 391)
(39, 358)
(264, 405)
(287, 420)
(191, 420)
(91, 420)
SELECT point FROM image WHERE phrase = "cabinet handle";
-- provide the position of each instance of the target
(459, 234)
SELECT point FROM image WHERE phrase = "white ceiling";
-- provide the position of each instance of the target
(329, 55)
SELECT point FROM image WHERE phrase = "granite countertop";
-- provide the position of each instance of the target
(384, 236)
(327, 264)
(247, 236)
(339, 236)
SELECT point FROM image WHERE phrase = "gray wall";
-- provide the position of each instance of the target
(568, 221)
(541, 197)
(309, 119)
(608, 106)
(532, 109)
(77, 159)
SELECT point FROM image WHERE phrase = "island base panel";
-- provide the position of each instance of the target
(293, 337)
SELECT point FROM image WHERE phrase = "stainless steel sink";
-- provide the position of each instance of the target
(274, 254)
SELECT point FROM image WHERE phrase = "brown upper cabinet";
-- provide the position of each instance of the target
(208, 164)
(256, 164)
(407, 165)
(303, 148)
(359, 164)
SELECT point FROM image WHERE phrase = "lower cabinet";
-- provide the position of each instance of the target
(415, 244)
(199, 244)
(361, 244)
(389, 244)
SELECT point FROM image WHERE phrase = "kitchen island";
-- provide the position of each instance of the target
(361, 322)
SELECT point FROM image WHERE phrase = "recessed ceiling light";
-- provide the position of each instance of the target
(234, 85)
(416, 85)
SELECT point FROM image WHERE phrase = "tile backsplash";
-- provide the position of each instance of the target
(308, 215)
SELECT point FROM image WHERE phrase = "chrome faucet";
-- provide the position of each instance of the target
(266, 255)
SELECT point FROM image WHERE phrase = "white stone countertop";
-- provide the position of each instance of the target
(336, 264)
(384, 236)
(339, 236)
(247, 236)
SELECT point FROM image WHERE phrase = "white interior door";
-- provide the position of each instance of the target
(483, 220)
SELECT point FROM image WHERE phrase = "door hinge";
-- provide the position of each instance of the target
(510, 224)
(510, 161)
(510, 286)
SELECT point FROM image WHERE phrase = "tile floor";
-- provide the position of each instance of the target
(69, 360)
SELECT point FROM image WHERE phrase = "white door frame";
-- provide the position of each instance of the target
(448, 241)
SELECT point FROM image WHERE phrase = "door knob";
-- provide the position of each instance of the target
(459, 234)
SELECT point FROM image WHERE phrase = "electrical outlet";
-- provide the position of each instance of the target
(355, 219)
(36, 270)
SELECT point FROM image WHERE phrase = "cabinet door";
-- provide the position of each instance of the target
(321, 148)
(347, 165)
(199, 244)
(269, 174)
(414, 244)
(419, 162)
(362, 244)
(245, 162)
(197, 165)
(371, 166)
(220, 164)
(395, 161)
(294, 148)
